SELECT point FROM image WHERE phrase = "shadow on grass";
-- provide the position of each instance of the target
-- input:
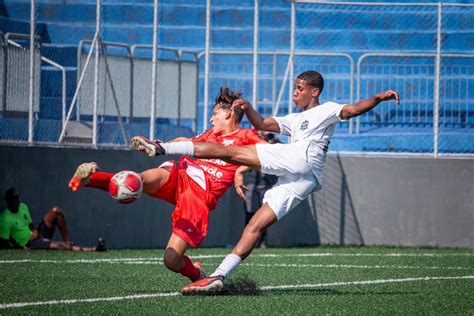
(240, 286)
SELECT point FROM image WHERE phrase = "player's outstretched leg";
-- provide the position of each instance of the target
(82, 174)
(147, 146)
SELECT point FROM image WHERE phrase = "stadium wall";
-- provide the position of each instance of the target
(409, 201)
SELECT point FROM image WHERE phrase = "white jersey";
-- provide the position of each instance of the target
(315, 127)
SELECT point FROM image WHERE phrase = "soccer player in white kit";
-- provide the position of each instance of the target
(298, 164)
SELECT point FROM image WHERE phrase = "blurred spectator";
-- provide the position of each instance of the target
(17, 229)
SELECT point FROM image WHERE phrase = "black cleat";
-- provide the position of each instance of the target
(101, 245)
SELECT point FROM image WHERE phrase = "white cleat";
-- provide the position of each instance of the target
(147, 146)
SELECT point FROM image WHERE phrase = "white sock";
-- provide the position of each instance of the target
(182, 148)
(228, 265)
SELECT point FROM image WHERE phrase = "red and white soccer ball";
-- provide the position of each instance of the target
(126, 186)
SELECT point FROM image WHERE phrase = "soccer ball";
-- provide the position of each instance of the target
(126, 186)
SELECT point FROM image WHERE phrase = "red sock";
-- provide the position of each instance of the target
(100, 180)
(189, 270)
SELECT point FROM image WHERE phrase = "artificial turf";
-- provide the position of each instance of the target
(322, 280)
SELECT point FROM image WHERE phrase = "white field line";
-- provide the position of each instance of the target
(156, 261)
(351, 266)
(308, 286)
(109, 260)
(263, 288)
(88, 300)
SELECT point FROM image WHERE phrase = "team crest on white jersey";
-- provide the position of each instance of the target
(227, 142)
(304, 125)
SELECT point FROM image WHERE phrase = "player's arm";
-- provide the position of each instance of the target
(179, 139)
(353, 110)
(240, 187)
(268, 124)
(34, 232)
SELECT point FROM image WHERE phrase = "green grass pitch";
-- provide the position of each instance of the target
(301, 281)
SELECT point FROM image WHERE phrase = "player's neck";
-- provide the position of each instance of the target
(314, 103)
(228, 129)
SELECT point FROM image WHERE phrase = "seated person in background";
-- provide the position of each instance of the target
(17, 229)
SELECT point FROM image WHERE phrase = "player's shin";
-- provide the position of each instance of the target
(181, 148)
(100, 180)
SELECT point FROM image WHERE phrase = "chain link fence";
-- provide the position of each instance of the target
(258, 48)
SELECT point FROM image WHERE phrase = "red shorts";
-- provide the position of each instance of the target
(190, 190)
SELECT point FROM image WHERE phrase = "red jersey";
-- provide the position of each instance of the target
(222, 173)
(194, 196)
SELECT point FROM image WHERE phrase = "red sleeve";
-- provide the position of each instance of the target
(252, 137)
(201, 137)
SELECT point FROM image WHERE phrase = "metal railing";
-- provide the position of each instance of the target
(178, 101)
(277, 93)
(17, 65)
(121, 75)
(128, 80)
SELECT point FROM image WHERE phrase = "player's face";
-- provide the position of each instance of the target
(304, 94)
(220, 118)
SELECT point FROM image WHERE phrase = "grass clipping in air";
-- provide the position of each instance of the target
(240, 285)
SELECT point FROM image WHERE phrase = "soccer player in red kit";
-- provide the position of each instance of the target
(193, 185)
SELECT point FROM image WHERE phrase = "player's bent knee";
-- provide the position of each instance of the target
(253, 228)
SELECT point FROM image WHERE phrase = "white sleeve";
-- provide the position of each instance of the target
(284, 122)
(333, 111)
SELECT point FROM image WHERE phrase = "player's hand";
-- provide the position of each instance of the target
(34, 234)
(389, 95)
(241, 103)
(240, 187)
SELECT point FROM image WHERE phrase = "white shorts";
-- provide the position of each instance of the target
(296, 179)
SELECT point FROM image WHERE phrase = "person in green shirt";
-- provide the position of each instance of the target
(17, 229)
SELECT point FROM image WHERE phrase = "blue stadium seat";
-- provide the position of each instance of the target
(319, 28)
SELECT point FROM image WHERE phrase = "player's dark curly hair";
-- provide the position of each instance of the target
(225, 99)
(313, 78)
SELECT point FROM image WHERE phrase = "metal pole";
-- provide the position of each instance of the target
(290, 61)
(255, 54)
(79, 85)
(436, 84)
(32, 71)
(274, 83)
(114, 95)
(351, 94)
(96, 74)
(154, 70)
(64, 95)
(282, 88)
(359, 62)
(206, 64)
